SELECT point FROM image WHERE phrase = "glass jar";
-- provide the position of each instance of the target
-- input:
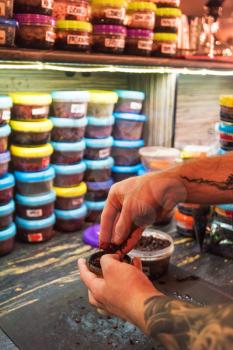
(139, 42)
(35, 31)
(7, 32)
(77, 10)
(129, 101)
(70, 220)
(164, 44)
(101, 103)
(109, 38)
(167, 20)
(4, 133)
(168, 3)
(69, 175)
(68, 153)
(70, 198)
(70, 104)
(7, 183)
(141, 15)
(68, 130)
(97, 149)
(73, 35)
(7, 239)
(5, 109)
(6, 8)
(99, 128)
(42, 7)
(109, 11)
(226, 113)
(128, 126)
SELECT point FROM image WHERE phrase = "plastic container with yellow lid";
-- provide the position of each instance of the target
(226, 104)
(167, 20)
(101, 103)
(31, 159)
(70, 198)
(109, 11)
(165, 44)
(141, 15)
(30, 105)
(31, 133)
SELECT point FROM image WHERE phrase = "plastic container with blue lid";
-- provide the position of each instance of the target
(226, 136)
(98, 170)
(69, 175)
(128, 126)
(6, 214)
(97, 149)
(68, 130)
(5, 131)
(70, 104)
(4, 162)
(7, 183)
(126, 153)
(98, 191)
(5, 109)
(68, 152)
(121, 173)
(7, 28)
(99, 128)
(94, 211)
(70, 220)
(129, 101)
(7, 239)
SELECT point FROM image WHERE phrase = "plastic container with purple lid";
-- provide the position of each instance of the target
(109, 38)
(139, 42)
(98, 191)
(91, 236)
(4, 162)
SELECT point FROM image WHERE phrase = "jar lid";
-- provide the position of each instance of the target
(226, 128)
(70, 169)
(126, 169)
(109, 3)
(128, 144)
(104, 97)
(141, 6)
(95, 206)
(8, 233)
(76, 191)
(35, 224)
(7, 209)
(225, 100)
(134, 95)
(7, 181)
(32, 152)
(140, 33)
(44, 125)
(5, 130)
(31, 98)
(99, 143)
(79, 96)
(101, 121)
(98, 186)
(78, 25)
(35, 201)
(71, 214)
(99, 164)
(131, 117)
(68, 123)
(222, 151)
(188, 219)
(165, 37)
(142, 171)
(171, 2)
(8, 22)
(40, 176)
(28, 18)
(5, 157)
(5, 102)
(168, 12)
(109, 29)
(227, 207)
(69, 146)
(91, 236)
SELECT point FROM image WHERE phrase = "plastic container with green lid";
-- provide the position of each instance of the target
(30, 159)
(165, 44)
(31, 133)
(30, 105)
(141, 15)
(167, 20)
(226, 104)
(5, 109)
(5, 131)
(109, 11)
(71, 197)
(70, 104)
(101, 103)
(73, 35)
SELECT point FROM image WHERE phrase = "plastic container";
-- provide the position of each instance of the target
(98, 149)
(128, 126)
(35, 31)
(94, 211)
(31, 159)
(70, 220)
(129, 101)
(70, 104)
(226, 136)
(33, 184)
(141, 14)
(167, 20)
(91, 236)
(7, 240)
(126, 152)
(168, 3)
(4, 162)
(6, 214)
(30, 105)
(187, 208)
(35, 231)
(69, 175)
(184, 224)
(98, 191)
(165, 44)
(43, 7)
(5, 109)
(7, 183)
(224, 210)
(6, 8)
(73, 35)
(7, 32)
(159, 158)
(77, 10)
(226, 112)
(31, 133)
(221, 239)
(98, 170)
(35, 207)
(99, 128)
(109, 11)
(139, 42)
(155, 261)
(120, 173)
(5, 131)
(101, 103)
(70, 198)
(68, 153)
(109, 38)
(68, 130)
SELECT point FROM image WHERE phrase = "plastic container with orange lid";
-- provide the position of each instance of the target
(158, 158)
(70, 198)
(27, 133)
(141, 15)
(184, 224)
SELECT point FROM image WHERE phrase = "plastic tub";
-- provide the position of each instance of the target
(126, 152)
(226, 112)
(5, 131)
(154, 253)
(98, 191)
(99, 128)
(31, 133)
(73, 35)
(184, 224)
(77, 10)
(139, 42)
(165, 44)
(98, 149)
(225, 210)
(69, 175)
(98, 170)
(4, 162)
(108, 11)
(5, 109)
(7, 239)
(6, 214)
(168, 3)
(120, 173)
(128, 126)
(7, 183)
(70, 220)
(70, 104)
(109, 38)
(94, 211)
(7, 32)
(6, 8)
(68, 130)
(35, 31)
(158, 158)
(30, 106)
(167, 20)
(226, 136)
(43, 7)
(70, 198)
(68, 153)
(141, 14)
(101, 103)
(35, 207)
(35, 231)
(33, 184)
(129, 101)
(187, 208)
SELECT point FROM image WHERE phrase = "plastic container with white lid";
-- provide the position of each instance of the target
(7, 183)
(70, 198)
(94, 211)
(98, 191)
(120, 173)
(7, 30)
(70, 104)
(129, 101)
(67, 153)
(98, 170)
(7, 239)
(68, 130)
(5, 109)
(5, 131)
(97, 149)
(128, 126)
(158, 158)
(99, 128)
(29, 133)
(69, 175)
(126, 153)
(6, 214)
(4, 162)
(101, 103)
(70, 220)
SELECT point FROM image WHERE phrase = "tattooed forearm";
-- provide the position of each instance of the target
(182, 326)
(223, 186)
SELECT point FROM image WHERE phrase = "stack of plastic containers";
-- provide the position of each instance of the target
(127, 134)
(70, 109)
(30, 155)
(7, 24)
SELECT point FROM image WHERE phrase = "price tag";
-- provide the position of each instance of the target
(76, 10)
(39, 111)
(169, 22)
(136, 105)
(115, 43)
(168, 49)
(47, 4)
(145, 44)
(104, 153)
(6, 115)
(78, 40)
(50, 36)
(77, 201)
(35, 237)
(34, 213)
(78, 108)
(143, 17)
(115, 13)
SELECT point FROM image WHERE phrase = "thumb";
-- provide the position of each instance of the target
(109, 263)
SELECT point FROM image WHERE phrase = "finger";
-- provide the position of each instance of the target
(123, 226)
(109, 263)
(137, 263)
(88, 278)
(93, 301)
(131, 241)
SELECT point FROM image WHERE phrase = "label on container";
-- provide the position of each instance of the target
(50, 36)
(34, 213)
(104, 153)
(78, 108)
(47, 4)
(2, 37)
(2, 9)
(169, 22)
(145, 45)
(143, 17)
(45, 162)
(77, 201)
(115, 43)
(6, 114)
(168, 49)
(76, 10)
(115, 13)
(78, 40)
(38, 111)
(35, 237)
(136, 105)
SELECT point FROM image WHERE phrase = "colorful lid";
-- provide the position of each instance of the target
(28, 18)
(101, 121)
(131, 95)
(76, 25)
(222, 151)
(165, 37)
(131, 117)
(141, 6)
(109, 29)
(98, 186)
(226, 128)
(7, 181)
(188, 219)
(76, 191)
(8, 233)
(142, 171)
(171, 2)
(5, 157)
(40, 176)
(70, 169)
(7, 209)
(31, 98)
(72, 214)
(128, 144)
(77, 96)
(99, 143)
(227, 207)
(32, 152)
(104, 97)
(139, 33)
(126, 169)
(99, 164)
(109, 3)
(225, 100)
(35, 224)
(5, 130)
(35, 201)
(44, 125)
(5, 102)
(91, 236)
(95, 205)
(168, 12)
(69, 146)
(8, 22)
(68, 122)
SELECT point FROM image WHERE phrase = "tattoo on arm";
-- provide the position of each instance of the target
(223, 186)
(183, 326)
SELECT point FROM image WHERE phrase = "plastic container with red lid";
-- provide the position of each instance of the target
(139, 42)
(69, 175)
(70, 220)
(6, 214)
(4, 162)
(70, 198)
(109, 38)
(5, 131)
(43, 7)
(7, 239)
(7, 183)
(67, 153)
(6, 104)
